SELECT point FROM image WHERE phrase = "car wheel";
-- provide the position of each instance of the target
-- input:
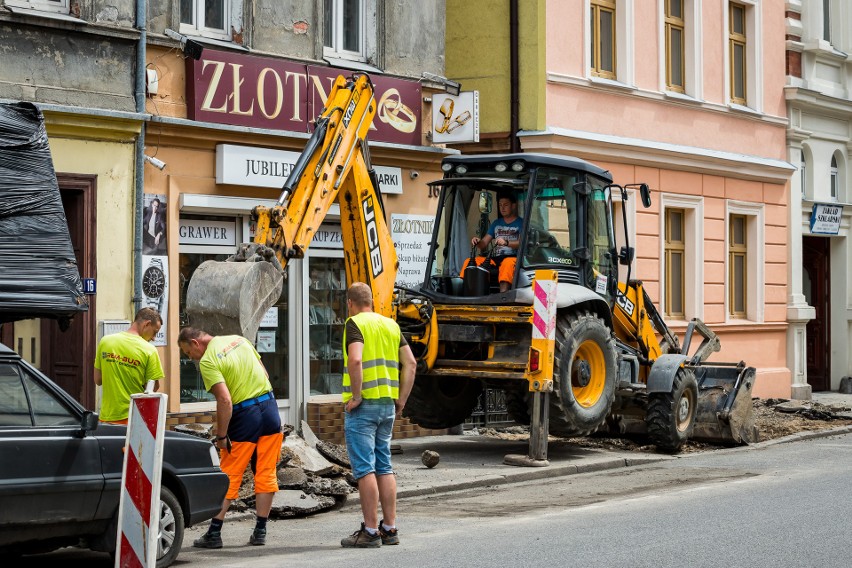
(171, 530)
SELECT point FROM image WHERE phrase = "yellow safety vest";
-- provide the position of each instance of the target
(380, 360)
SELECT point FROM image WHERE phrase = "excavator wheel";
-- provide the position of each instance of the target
(671, 416)
(441, 402)
(584, 372)
(517, 404)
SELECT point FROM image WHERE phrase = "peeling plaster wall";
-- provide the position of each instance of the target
(414, 35)
(116, 12)
(287, 27)
(66, 67)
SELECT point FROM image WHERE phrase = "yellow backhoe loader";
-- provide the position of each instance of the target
(574, 349)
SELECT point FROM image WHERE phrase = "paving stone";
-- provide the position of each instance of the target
(294, 503)
(292, 478)
(310, 459)
(335, 453)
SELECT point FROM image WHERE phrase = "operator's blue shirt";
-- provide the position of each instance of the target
(500, 229)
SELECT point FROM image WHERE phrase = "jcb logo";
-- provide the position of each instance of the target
(625, 304)
(350, 110)
(372, 237)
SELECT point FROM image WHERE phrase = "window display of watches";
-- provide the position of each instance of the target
(154, 284)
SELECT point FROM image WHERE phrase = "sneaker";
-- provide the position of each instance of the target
(362, 539)
(209, 540)
(388, 536)
(258, 537)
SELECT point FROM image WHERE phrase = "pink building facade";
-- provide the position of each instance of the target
(687, 96)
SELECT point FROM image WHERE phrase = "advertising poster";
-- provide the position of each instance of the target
(412, 234)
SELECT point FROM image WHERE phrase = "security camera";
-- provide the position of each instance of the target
(159, 164)
(414, 174)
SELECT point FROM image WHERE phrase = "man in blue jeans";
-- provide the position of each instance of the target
(374, 392)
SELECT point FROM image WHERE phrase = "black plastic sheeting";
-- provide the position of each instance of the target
(38, 272)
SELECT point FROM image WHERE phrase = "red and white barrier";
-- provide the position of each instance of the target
(139, 507)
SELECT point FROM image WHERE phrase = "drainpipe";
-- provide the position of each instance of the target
(141, 7)
(514, 105)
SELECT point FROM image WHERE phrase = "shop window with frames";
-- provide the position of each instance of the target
(343, 29)
(56, 6)
(209, 18)
(675, 46)
(327, 315)
(737, 46)
(675, 259)
(603, 38)
(738, 266)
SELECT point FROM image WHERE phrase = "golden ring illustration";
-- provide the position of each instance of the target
(392, 111)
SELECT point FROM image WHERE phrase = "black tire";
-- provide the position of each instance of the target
(441, 402)
(585, 374)
(671, 416)
(171, 529)
(517, 404)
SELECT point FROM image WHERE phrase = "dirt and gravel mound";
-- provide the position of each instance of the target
(775, 418)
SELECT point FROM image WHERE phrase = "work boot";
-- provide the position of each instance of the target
(209, 540)
(258, 537)
(362, 539)
(388, 536)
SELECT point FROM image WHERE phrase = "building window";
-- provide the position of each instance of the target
(59, 6)
(208, 18)
(675, 46)
(603, 48)
(675, 259)
(826, 20)
(343, 29)
(834, 177)
(803, 174)
(737, 52)
(737, 266)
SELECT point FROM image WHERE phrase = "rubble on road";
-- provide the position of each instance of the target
(310, 479)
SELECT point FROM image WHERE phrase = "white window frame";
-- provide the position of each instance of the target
(693, 53)
(803, 173)
(60, 7)
(199, 29)
(755, 263)
(754, 54)
(693, 261)
(624, 34)
(335, 51)
(834, 178)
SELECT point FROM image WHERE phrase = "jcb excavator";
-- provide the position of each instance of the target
(574, 349)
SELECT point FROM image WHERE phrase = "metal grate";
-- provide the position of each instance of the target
(490, 411)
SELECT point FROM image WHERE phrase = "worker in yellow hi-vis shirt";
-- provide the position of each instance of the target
(124, 364)
(247, 421)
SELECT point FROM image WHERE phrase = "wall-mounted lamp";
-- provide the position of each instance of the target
(159, 164)
(452, 87)
(190, 47)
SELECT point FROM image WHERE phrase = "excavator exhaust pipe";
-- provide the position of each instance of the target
(231, 298)
(725, 413)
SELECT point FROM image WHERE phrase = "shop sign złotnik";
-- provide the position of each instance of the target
(264, 92)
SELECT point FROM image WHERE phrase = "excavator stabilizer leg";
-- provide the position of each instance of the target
(227, 298)
(725, 412)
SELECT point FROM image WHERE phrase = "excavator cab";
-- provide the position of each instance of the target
(562, 203)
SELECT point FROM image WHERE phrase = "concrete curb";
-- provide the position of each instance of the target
(563, 470)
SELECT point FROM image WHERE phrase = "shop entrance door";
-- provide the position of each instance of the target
(67, 357)
(817, 290)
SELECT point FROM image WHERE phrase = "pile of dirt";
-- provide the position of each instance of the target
(775, 418)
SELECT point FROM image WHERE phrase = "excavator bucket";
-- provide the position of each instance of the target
(725, 414)
(227, 298)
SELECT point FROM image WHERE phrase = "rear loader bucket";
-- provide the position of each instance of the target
(230, 298)
(725, 414)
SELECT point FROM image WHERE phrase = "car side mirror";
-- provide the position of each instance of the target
(645, 194)
(89, 423)
(625, 255)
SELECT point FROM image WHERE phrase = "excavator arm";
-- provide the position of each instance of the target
(229, 297)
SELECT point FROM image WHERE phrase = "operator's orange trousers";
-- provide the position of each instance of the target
(506, 270)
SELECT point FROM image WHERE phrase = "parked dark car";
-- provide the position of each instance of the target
(60, 472)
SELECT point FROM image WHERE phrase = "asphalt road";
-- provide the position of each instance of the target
(782, 505)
